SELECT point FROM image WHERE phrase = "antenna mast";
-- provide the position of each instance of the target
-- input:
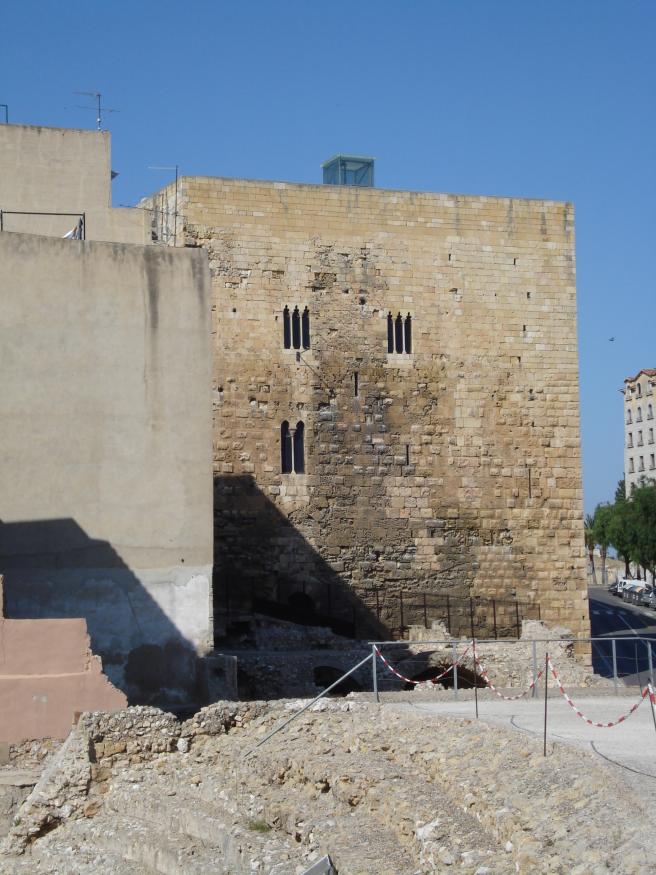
(99, 108)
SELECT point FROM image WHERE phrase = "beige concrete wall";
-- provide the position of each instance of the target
(485, 409)
(47, 675)
(67, 171)
(105, 435)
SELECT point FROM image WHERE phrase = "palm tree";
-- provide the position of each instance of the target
(590, 543)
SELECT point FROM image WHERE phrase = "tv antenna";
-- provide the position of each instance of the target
(175, 167)
(99, 108)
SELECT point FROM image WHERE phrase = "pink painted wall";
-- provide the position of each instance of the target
(47, 674)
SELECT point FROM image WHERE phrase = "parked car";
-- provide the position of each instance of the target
(622, 584)
(645, 596)
(612, 589)
(632, 592)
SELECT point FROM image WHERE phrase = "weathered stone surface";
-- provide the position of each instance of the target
(379, 790)
(454, 467)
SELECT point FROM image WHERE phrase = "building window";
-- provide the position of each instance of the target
(639, 438)
(639, 414)
(629, 440)
(650, 412)
(629, 418)
(296, 328)
(639, 388)
(641, 463)
(292, 448)
(631, 469)
(299, 448)
(287, 331)
(651, 435)
(305, 329)
(399, 333)
(651, 462)
(286, 463)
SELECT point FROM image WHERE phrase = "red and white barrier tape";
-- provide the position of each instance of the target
(417, 683)
(648, 691)
(483, 673)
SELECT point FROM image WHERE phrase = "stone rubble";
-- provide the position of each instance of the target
(379, 790)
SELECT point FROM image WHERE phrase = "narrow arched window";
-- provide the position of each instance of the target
(299, 449)
(650, 412)
(285, 449)
(296, 329)
(305, 328)
(286, 328)
(639, 414)
(629, 419)
(398, 333)
(390, 333)
(408, 333)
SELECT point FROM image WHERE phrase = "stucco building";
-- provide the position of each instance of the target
(395, 392)
(639, 446)
(105, 418)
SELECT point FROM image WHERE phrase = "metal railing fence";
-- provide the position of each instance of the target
(355, 612)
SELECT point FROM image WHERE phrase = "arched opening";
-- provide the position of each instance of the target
(286, 329)
(305, 328)
(296, 329)
(285, 449)
(301, 603)
(390, 333)
(408, 333)
(398, 334)
(299, 448)
(325, 675)
(467, 679)
(650, 412)
(639, 414)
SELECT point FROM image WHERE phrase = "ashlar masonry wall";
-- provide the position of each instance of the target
(452, 467)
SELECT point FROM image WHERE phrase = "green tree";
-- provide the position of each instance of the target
(590, 544)
(643, 521)
(601, 523)
(621, 531)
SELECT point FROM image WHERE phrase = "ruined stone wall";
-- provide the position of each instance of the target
(455, 467)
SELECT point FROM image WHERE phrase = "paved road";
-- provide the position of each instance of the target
(611, 617)
(629, 747)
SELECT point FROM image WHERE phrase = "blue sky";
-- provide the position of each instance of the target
(551, 99)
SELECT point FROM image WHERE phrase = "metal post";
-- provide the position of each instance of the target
(613, 643)
(471, 617)
(309, 705)
(519, 631)
(651, 702)
(425, 613)
(494, 617)
(535, 669)
(374, 671)
(546, 684)
(175, 210)
(455, 671)
(651, 664)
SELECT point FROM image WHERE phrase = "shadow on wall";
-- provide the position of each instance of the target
(262, 563)
(53, 569)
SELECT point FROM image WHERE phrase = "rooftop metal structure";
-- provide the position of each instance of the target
(348, 170)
